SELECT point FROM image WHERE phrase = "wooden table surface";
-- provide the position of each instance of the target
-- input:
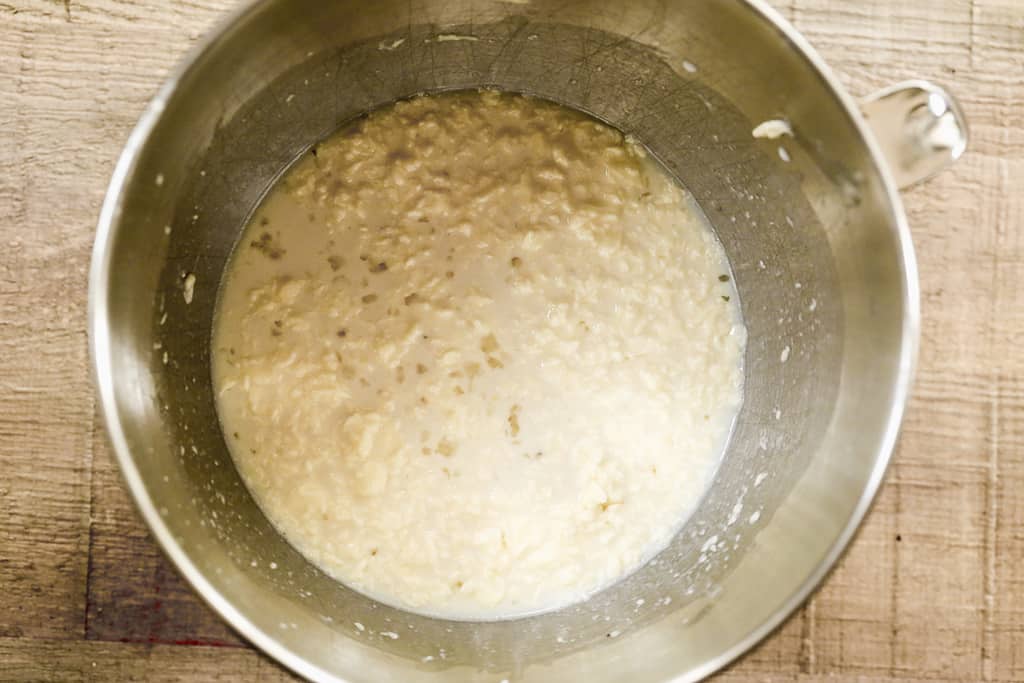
(933, 587)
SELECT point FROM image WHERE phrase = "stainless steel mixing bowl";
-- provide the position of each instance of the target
(812, 224)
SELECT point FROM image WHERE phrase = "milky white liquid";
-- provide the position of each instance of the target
(477, 356)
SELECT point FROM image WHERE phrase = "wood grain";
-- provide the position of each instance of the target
(134, 594)
(63, 661)
(933, 587)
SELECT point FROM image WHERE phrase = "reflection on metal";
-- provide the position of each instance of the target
(920, 128)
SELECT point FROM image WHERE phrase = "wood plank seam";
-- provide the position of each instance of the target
(89, 563)
(893, 482)
(992, 488)
(991, 529)
(807, 629)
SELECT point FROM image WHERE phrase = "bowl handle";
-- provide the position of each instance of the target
(919, 126)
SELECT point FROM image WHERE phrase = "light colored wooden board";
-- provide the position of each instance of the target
(71, 88)
(933, 587)
(44, 466)
(134, 594)
(55, 661)
(730, 677)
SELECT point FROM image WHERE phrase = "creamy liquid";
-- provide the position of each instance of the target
(476, 356)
